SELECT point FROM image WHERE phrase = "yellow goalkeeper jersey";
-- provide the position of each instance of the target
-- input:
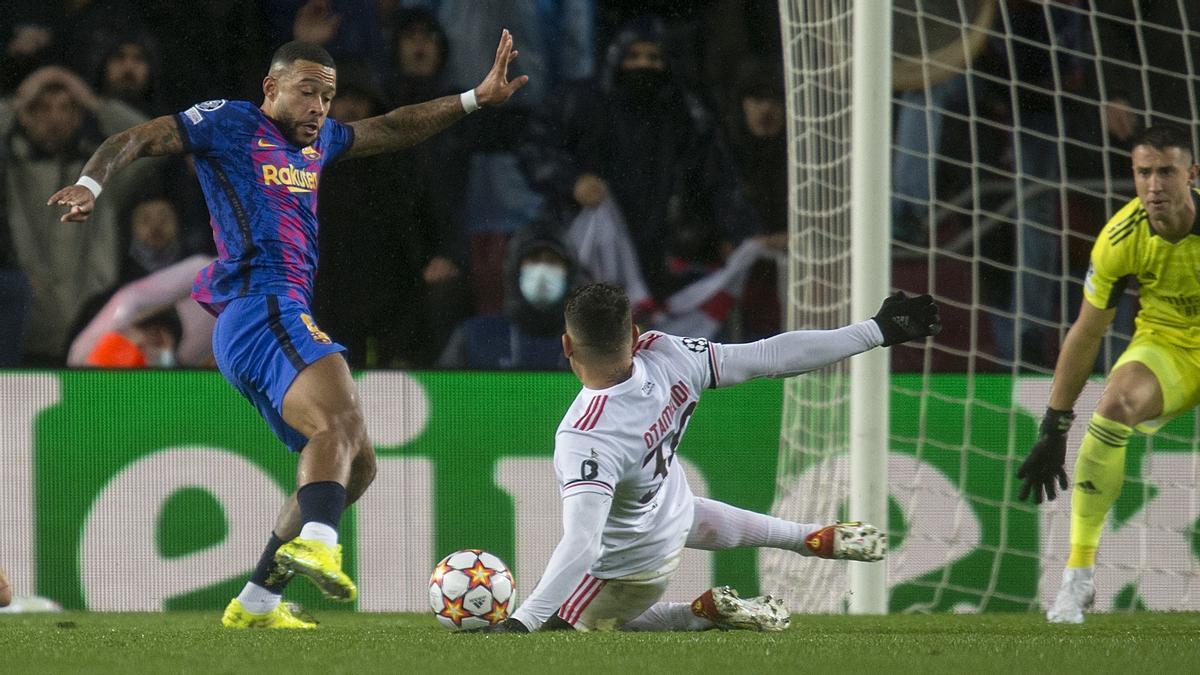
(1168, 275)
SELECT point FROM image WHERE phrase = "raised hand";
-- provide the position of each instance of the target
(902, 318)
(496, 88)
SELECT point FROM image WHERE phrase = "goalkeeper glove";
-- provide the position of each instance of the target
(1044, 465)
(902, 318)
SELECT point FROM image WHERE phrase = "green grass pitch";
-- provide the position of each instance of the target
(194, 642)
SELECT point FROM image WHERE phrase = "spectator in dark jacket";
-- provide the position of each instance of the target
(129, 71)
(638, 135)
(538, 273)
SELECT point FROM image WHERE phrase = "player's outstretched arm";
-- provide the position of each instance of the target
(900, 319)
(1044, 471)
(159, 136)
(411, 124)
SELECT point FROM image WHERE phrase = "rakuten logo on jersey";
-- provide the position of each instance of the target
(295, 180)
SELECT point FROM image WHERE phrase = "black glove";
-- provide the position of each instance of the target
(902, 318)
(1044, 465)
(509, 625)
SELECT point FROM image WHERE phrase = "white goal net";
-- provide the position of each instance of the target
(1009, 128)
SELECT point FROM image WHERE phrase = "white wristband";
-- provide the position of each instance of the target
(91, 185)
(469, 103)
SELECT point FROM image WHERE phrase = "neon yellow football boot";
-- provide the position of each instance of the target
(285, 615)
(321, 563)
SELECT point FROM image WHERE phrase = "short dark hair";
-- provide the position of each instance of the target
(291, 52)
(167, 320)
(598, 318)
(1163, 136)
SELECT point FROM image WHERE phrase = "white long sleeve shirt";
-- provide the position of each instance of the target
(626, 505)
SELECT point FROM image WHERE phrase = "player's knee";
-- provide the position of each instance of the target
(1119, 406)
(347, 431)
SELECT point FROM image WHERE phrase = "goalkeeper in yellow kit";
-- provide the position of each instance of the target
(1154, 239)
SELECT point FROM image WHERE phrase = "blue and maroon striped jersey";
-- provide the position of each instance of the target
(261, 191)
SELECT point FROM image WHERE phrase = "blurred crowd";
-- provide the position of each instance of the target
(648, 149)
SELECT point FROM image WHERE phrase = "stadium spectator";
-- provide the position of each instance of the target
(918, 130)
(146, 343)
(155, 237)
(708, 41)
(26, 48)
(419, 51)
(129, 71)
(758, 144)
(49, 129)
(1042, 59)
(153, 294)
(639, 135)
(1152, 240)
(69, 34)
(539, 271)
(557, 46)
(557, 40)
(389, 285)
(348, 29)
(628, 514)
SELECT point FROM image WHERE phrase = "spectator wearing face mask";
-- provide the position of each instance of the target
(539, 271)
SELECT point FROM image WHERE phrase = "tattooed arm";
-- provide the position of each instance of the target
(159, 136)
(412, 124)
(404, 126)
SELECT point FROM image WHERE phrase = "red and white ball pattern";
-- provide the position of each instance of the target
(471, 589)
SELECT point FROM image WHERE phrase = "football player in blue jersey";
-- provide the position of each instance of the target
(260, 167)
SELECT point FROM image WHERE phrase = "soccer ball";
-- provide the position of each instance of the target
(471, 589)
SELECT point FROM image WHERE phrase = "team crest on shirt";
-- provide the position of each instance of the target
(698, 345)
(647, 387)
(310, 153)
(317, 334)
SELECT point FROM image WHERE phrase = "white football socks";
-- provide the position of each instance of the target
(320, 532)
(668, 616)
(717, 526)
(256, 599)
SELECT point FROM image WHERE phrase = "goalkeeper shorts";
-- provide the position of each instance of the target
(1177, 370)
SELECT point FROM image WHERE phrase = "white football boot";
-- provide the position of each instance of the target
(724, 608)
(848, 541)
(1076, 594)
